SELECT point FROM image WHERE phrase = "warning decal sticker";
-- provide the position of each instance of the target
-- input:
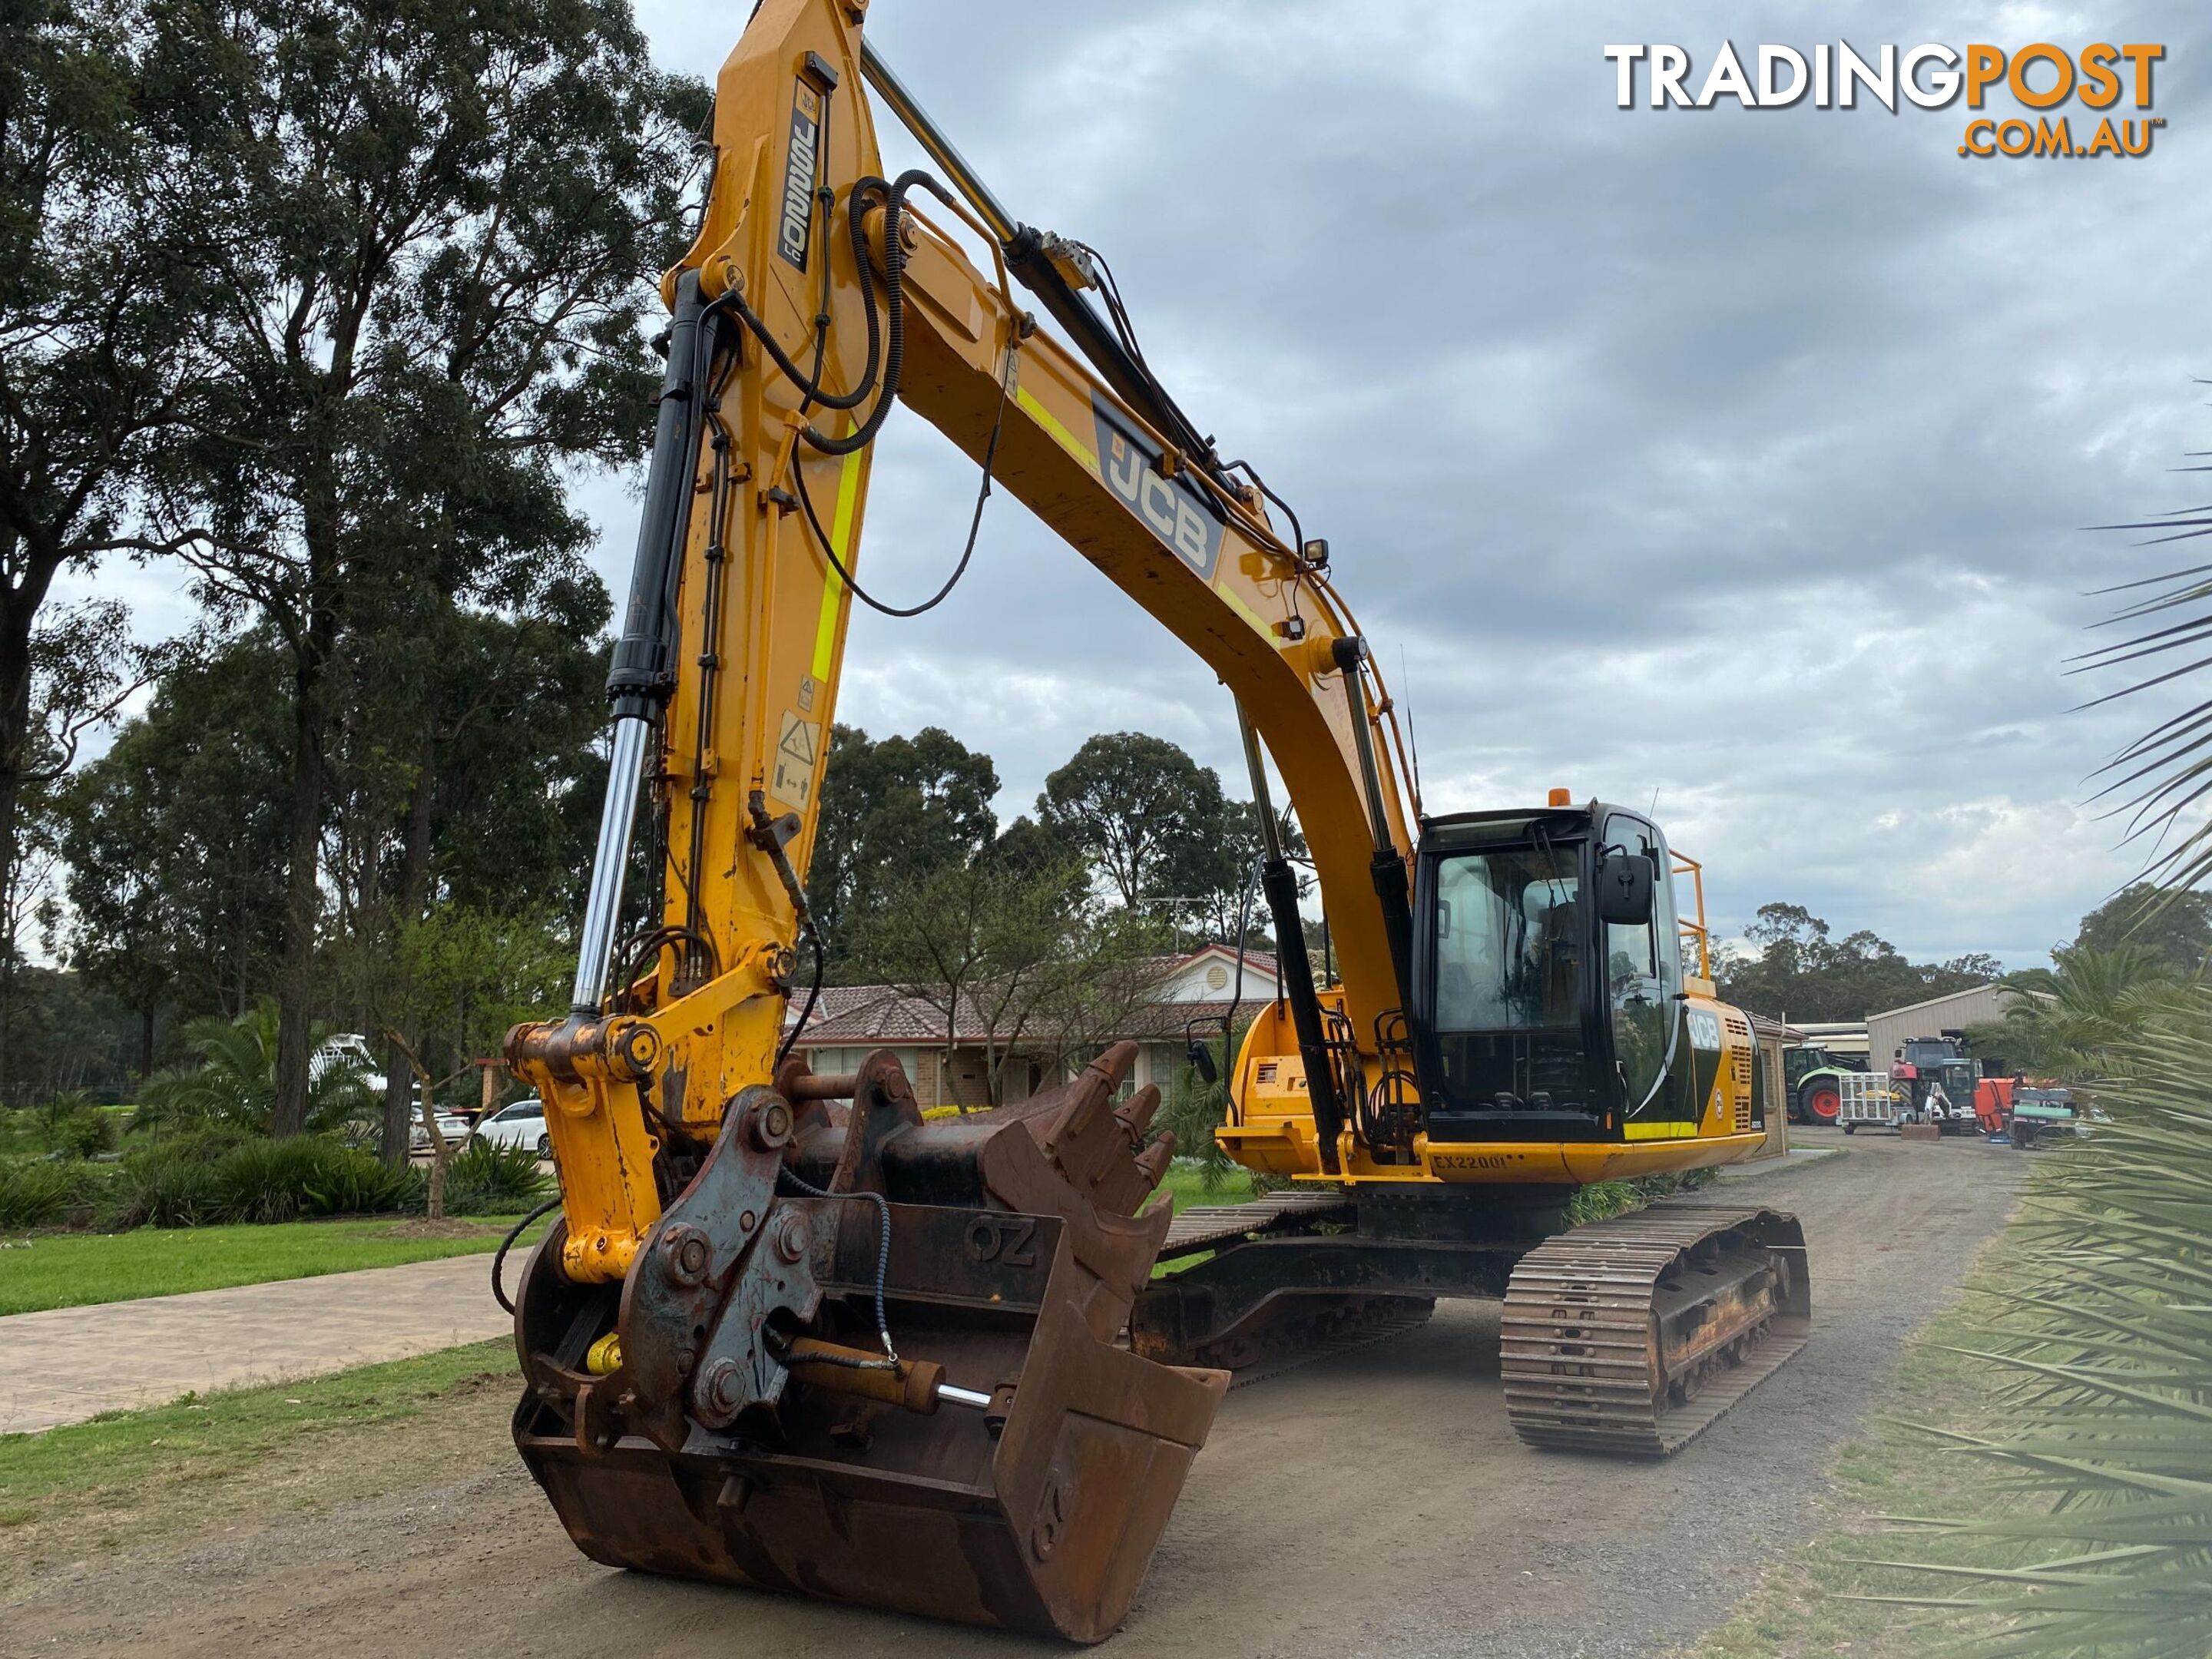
(797, 752)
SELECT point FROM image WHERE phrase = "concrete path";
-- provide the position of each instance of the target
(68, 1363)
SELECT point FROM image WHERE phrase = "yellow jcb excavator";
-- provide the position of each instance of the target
(788, 1333)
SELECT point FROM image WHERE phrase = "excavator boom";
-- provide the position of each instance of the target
(787, 1332)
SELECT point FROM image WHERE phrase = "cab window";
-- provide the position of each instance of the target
(1637, 998)
(1508, 940)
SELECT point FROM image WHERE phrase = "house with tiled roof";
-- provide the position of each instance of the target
(850, 1022)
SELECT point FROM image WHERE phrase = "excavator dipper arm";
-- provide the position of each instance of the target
(787, 1332)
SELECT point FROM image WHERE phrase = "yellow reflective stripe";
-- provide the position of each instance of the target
(1235, 602)
(841, 537)
(1660, 1131)
(1025, 400)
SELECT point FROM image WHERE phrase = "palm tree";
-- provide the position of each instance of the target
(2073, 1019)
(2157, 781)
(231, 1081)
(2107, 1333)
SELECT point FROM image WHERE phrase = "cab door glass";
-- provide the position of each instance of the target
(1636, 994)
(1507, 951)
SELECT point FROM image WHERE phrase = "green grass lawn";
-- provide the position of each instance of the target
(75, 1270)
(247, 1457)
(1188, 1186)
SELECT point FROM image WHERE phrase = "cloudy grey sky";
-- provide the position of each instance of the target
(1738, 458)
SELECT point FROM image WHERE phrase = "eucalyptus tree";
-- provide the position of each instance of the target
(2177, 924)
(464, 774)
(98, 278)
(167, 840)
(1146, 814)
(430, 294)
(894, 811)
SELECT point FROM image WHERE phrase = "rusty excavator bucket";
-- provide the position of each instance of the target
(733, 1409)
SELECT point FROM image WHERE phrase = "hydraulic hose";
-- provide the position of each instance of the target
(499, 1256)
(893, 338)
(807, 1189)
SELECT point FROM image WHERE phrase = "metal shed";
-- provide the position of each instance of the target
(1979, 1005)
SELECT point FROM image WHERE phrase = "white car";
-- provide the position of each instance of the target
(522, 1124)
(452, 1129)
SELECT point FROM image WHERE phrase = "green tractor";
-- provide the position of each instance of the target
(1811, 1078)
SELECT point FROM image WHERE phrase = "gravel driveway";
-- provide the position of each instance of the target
(1375, 1503)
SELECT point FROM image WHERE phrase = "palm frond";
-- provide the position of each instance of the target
(230, 1081)
(2164, 776)
(2101, 1476)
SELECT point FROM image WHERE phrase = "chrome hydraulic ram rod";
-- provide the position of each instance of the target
(610, 863)
(642, 675)
(1002, 224)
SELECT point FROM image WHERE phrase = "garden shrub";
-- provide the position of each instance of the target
(207, 1145)
(268, 1180)
(220, 1174)
(37, 1192)
(82, 1131)
(356, 1183)
(167, 1186)
(487, 1180)
(201, 1179)
(1602, 1200)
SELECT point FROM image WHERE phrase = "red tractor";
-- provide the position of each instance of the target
(1945, 1085)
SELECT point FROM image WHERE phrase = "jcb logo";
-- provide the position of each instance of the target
(1172, 508)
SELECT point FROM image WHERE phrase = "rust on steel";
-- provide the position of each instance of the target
(740, 1438)
(1631, 1336)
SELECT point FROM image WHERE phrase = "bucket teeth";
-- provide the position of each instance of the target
(1089, 1095)
(1096, 1145)
(1152, 1162)
(1136, 1116)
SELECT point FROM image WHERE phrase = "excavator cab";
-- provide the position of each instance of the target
(792, 1332)
(1548, 975)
